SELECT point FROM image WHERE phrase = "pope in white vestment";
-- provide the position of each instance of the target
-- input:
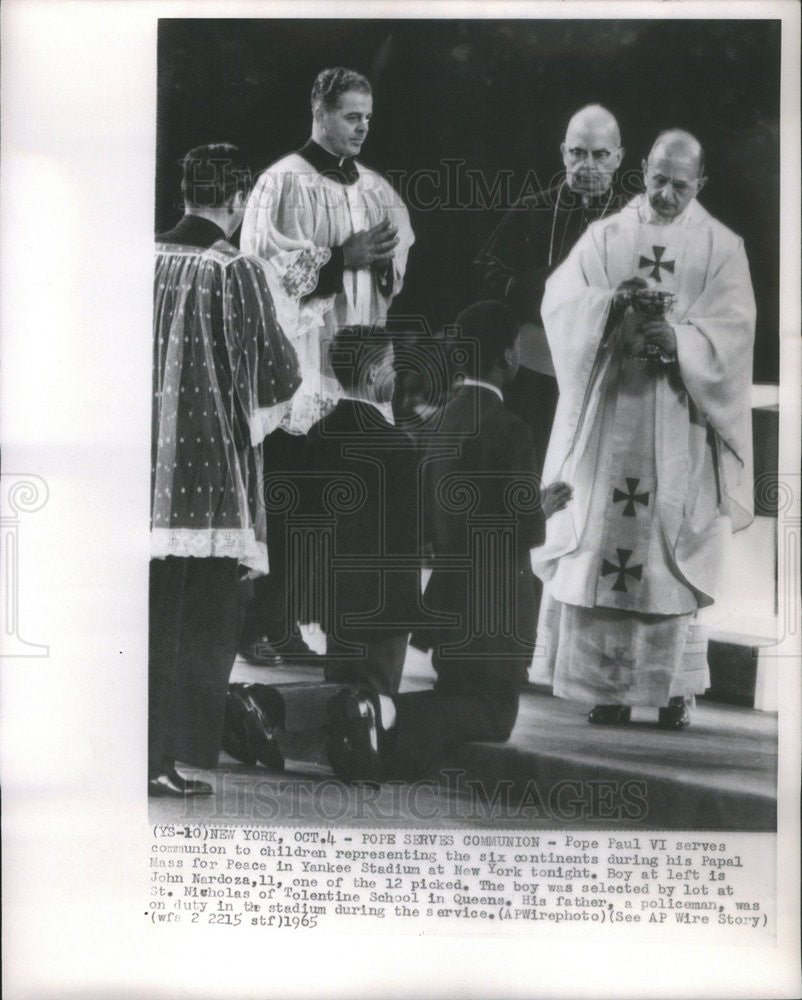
(659, 455)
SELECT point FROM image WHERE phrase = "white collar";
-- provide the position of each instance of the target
(484, 385)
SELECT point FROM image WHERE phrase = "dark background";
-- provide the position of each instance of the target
(496, 95)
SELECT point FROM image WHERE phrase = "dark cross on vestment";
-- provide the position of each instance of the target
(657, 263)
(622, 570)
(631, 498)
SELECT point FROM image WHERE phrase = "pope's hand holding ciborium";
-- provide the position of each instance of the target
(647, 336)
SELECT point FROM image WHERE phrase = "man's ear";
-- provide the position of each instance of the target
(621, 155)
(700, 183)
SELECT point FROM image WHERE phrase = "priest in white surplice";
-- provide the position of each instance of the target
(334, 237)
(659, 452)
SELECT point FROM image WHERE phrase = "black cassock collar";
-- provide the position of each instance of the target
(571, 200)
(193, 231)
(328, 164)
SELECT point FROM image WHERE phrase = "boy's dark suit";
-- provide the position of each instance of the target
(360, 471)
(483, 515)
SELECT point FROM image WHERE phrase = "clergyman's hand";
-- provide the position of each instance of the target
(661, 333)
(370, 246)
(554, 497)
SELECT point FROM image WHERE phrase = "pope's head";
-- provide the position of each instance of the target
(673, 173)
(592, 150)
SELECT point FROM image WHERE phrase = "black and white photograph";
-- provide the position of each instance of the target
(401, 444)
(422, 369)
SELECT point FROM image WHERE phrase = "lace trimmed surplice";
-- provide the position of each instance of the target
(221, 363)
(294, 218)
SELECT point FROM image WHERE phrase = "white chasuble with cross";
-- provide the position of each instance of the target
(633, 573)
(659, 458)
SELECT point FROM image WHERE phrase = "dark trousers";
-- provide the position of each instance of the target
(267, 614)
(431, 723)
(378, 669)
(194, 626)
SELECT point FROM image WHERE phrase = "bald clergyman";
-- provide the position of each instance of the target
(535, 236)
(659, 451)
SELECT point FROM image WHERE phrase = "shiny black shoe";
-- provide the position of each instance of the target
(353, 743)
(609, 715)
(294, 651)
(253, 712)
(172, 786)
(261, 653)
(675, 716)
(237, 741)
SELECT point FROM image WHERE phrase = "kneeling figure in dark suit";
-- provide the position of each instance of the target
(483, 512)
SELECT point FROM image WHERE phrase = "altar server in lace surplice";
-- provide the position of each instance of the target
(220, 364)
